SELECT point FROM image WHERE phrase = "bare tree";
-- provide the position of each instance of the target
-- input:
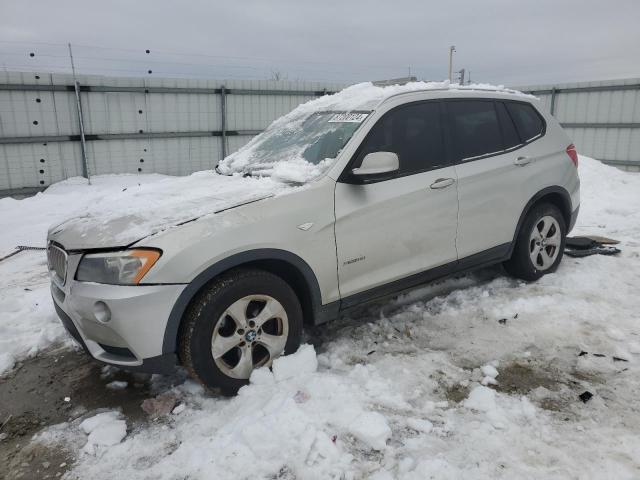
(278, 75)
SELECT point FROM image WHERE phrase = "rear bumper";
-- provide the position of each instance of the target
(574, 218)
(132, 336)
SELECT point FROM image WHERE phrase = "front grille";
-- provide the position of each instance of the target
(57, 259)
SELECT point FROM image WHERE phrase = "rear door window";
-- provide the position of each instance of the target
(475, 128)
(527, 120)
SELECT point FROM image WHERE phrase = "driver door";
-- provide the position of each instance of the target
(388, 231)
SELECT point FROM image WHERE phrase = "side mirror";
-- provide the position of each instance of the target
(377, 163)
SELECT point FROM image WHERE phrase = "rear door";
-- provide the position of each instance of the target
(390, 229)
(494, 170)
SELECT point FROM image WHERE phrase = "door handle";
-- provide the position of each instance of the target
(522, 161)
(442, 183)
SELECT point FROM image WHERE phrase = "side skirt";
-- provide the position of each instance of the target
(479, 260)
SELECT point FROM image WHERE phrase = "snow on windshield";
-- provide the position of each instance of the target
(302, 148)
(303, 144)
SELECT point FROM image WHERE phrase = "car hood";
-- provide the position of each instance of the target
(112, 221)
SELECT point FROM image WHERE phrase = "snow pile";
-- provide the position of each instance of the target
(490, 373)
(28, 322)
(293, 418)
(397, 392)
(103, 430)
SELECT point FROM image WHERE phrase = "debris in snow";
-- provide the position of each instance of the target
(583, 353)
(371, 352)
(117, 385)
(103, 429)
(502, 321)
(5, 422)
(585, 396)
(371, 428)
(619, 359)
(600, 355)
(160, 405)
(301, 397)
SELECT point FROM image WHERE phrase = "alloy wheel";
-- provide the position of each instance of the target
(544, 242)
(251, 333)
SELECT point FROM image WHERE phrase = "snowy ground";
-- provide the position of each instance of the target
(475, 377)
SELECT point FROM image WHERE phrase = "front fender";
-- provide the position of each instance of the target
(175, 317)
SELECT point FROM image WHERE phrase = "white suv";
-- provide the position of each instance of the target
(349, 198)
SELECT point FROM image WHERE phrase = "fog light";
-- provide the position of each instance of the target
(101, 312)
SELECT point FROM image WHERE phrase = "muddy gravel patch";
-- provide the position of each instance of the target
(57, 386)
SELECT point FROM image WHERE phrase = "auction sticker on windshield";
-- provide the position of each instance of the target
(348, 117)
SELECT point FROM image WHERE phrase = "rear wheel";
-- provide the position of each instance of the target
(540, 243)
(244, 320)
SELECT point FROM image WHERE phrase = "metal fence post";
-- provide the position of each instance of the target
(554, 92)
(83, 145)
(223, 126)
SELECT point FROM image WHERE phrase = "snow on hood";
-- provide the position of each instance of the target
(290, 165)
(140, 210)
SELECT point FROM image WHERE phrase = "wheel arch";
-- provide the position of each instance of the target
(289, 266)
(555, 195)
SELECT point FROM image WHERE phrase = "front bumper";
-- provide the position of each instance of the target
(133, 335)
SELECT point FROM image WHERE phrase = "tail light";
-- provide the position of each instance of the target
(573, 154)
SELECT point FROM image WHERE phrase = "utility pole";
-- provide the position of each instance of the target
(452, 49)
(83, 145)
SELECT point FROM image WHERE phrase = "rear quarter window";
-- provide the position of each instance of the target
(527, 120)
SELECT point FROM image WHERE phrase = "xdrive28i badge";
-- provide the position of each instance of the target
(354, 260)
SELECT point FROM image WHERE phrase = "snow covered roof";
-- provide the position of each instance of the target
(367, 96)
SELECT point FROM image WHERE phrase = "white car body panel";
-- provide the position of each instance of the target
(353, 238)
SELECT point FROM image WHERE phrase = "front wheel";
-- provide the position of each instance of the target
(244, 320)
(539, 245)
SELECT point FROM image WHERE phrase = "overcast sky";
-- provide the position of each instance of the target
(500, 41)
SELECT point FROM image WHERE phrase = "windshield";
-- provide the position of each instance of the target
(296, 150)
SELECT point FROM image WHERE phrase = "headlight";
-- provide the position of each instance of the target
(116, 268)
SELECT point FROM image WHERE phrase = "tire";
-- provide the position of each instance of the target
(528, 242)
(214, 326)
